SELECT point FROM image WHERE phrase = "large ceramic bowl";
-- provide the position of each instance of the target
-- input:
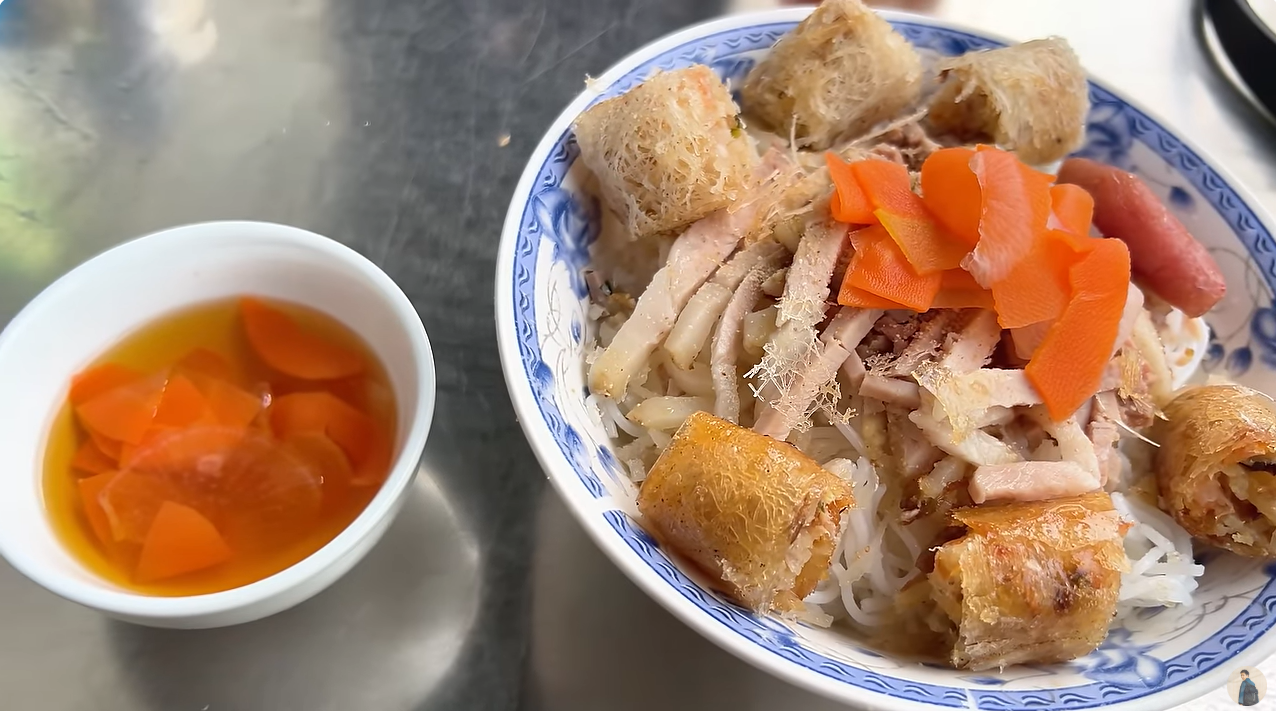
(1155, 661)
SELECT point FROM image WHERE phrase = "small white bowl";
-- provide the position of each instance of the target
(85, 312)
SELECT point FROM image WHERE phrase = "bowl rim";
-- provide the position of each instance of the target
(157, 608)
(586, 508)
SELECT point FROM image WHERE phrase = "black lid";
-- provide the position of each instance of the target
(1250, 45)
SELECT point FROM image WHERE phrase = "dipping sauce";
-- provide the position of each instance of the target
(218, 445)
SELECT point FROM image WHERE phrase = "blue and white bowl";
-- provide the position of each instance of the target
(1153, 662)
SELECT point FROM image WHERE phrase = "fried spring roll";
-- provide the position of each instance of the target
(668, 152)
(754, 512)
(842, 71)
(1031, 582)
(1216, 467)
(1030, 98)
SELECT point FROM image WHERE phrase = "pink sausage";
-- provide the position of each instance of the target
(1164, 256)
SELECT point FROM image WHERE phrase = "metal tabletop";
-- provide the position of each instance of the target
(400, 127)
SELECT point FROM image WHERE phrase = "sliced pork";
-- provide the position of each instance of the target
(1030, 481)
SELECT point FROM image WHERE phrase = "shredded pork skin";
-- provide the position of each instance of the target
(806, 288)
(836, 346)
(963, 399)
(795, 343)
(1104, 436)
(891, 391)
(725, 352)
(854, 370)
(695, 323)
(977, 447)
(923, 337)
(666, 413)
(973, 347)
(694, 255)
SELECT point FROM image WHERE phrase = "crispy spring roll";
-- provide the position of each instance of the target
(668, 152)
(1216, 467)
(754, 512)
(1031, 582)
(843, 70)
(1030, 98)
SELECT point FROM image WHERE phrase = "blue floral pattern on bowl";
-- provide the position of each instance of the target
(1155, 650)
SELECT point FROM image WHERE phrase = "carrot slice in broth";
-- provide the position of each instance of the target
(204, 362)
(125, 412)
(319, 451)
(352, 430)
(289, 349)
(131, 500)
(180, 541)
(232, 406)
(99, 379)
(182, 404)
(257, 492)
(90, 460)
(106, 445)
(91, 499)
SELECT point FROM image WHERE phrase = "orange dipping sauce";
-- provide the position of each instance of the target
(217, 446)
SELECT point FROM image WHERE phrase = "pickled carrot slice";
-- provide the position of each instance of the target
(850, 295)
(131, 500)
(284, 346)
(106, 445)
(848, 203)
(959, 290)
(125, 412)
(1037, 288)
(182, 404)
(202, 361)
(231, 406)
(1068, 366)
(1014, 211)
(254, 489)
(319, 451)
(180, 541)
(879, 267)
(90, 498)
(929, 247)
(90, 460)
(99, 379)
(352, 430)
(1072, 208)
(951, 192)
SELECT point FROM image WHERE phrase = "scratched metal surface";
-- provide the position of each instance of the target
(383, 123)
(378, 123)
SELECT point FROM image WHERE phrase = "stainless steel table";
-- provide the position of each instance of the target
(400, 127)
